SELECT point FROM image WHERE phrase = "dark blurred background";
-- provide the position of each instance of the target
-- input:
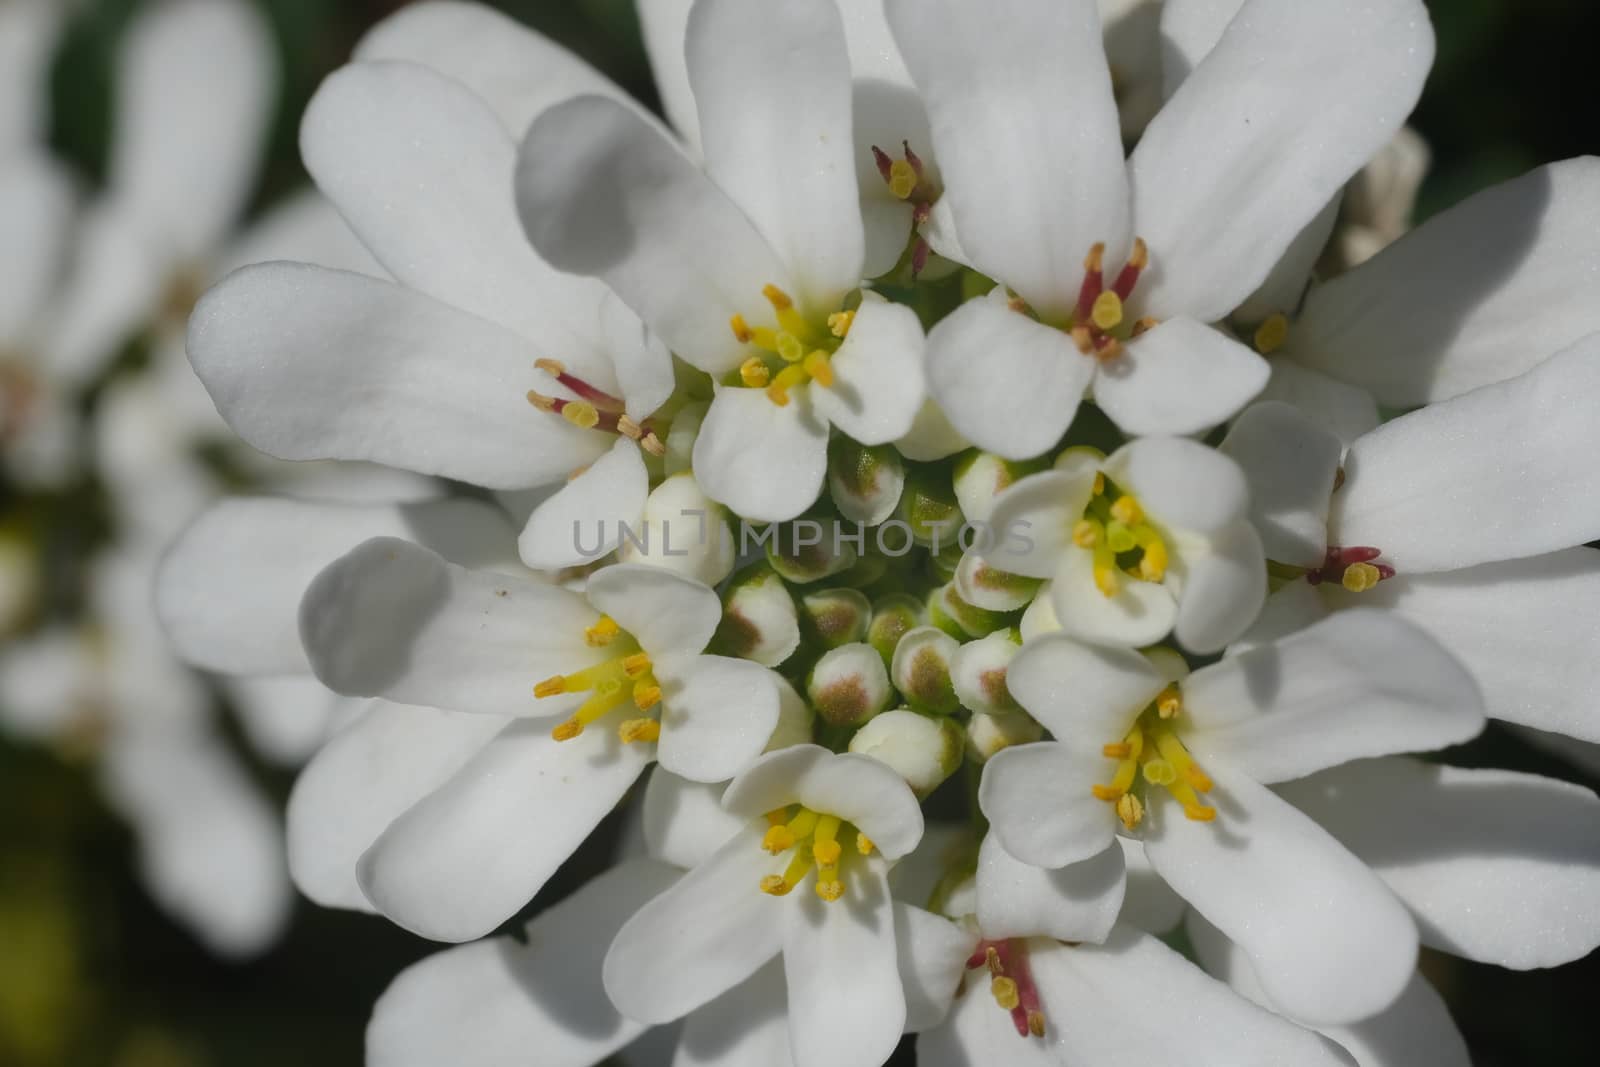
(91, 973)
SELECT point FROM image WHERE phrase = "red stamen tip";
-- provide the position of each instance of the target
(881, 158)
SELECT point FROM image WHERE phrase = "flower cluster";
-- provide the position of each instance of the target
(1175, 607)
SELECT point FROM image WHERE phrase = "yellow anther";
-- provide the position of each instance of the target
(788, 378)
(1107, 793)
(1036, 1023)
(1359, 577)
(790, 350)
(754, 373)
(778, 815)
(991, 959)
(1140, 259)
(1083, 338)
(567, 731)
(581, 413)
(1271, 335)
(1005, 992)
(553, 367)
(864, 844)
(628, 428)
(1099, 483)
(550, 687)
(778, 839)
(1198, 778)
(1169, 703)
(1160, 772)
(645, 695)
(540, 401)
(1086, 533)
(774, 885)
(653, 444)
(1105, 578)
(839, 323)
(1127, 511)
(741, 329)
(1199, 812)
(816, 364)
(602, 633)
(636, 665)
(1145, 325)
(829, 887)
(1130, 810)
(1107, 311)
(1093, 262)
(1119, 750)
(780, 300)
(633, 731)
(902, 179)
(798, 867)
(1153, 564)
(826, 852)
(1017, 304)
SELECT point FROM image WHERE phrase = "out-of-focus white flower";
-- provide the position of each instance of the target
(1377, 206)
(1137, 753)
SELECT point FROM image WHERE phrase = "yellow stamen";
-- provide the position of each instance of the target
(780, 300)
(637, 730)
(1199, 812)
(581, 414)
(645, 695)
(1004, 991)
(864, 844)
(1359, 577)
(1140, 259)
(552, 367)
(568, 730)
(602, 633)
(754, 373)
(1153, 564)
(1083, 339)
(540, 401)
(1127, 511)
(1107, 311)
(788, 378)
(1099, 483)
(1120, 750)
(1105, 572)
(825, 848)
(1130, 810)
(778, 815)
(778, 839)
(1086, 533)
(1169, 703)
(741, 329)
(636, 665)
(1095, 259)
(839, 323)
(816, 364)
(1145, 325)
(902, 179)
(1271, 335)
(550, 687)
(774, 885)
(829, 887)
(628, 428)
(652, 444)
(778, 885)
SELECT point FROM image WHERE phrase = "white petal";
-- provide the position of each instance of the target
(1225, 176)
(1496, 866)
(1148, 902)
(228, 592)
(364, 778)
(1287, 892)
(933, 954)
(1133, 997)
(682, 530)
(665, 612)
(931, 436)
(517, 71)
(303, 226)
(36, 204)
(763, 461)
(1190, 29)
(683, 821)
(1180, 483)
(1494, 275)
(658, 968)
(663, 24)
(489, 1003)
(1360, 683)
(878, 375)
(1007, 383)
(1039, 801)
(716, 716)
(1086, 696)
(584, 519)
(974, 1030)
(1033, 520)
(1290, 464)
(1524, 629)
(466, 858)
(1178, 378)
(196, 83)
(1032, 193)
(1139, 613)
(775, 127)
(1295, 607)
(307, 363)
(1285, 288)
(1223, 586)
(747, 1024)
(1343, 410)
(855, 1023)
(1078, 902)
(603, 194)
(286, 718)
(28, 34)
(394, 619)
(1500, 473)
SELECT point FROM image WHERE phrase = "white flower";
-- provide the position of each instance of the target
(1479, 508)
(742, 268)
(1153, 538)
(807, 880)
(395, 620)
(1181, 765)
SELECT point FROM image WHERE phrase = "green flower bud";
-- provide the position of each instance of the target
(759, 619)
(989, 732)
(956, 617)
(893, 616)
(921, 750)
(985, 587)
(928, 506)
(921, 670)
(680, 438)
(848, 686)
(1040, 617)
(837, 616)
(982, 476)
(865, 482)
(810, 549)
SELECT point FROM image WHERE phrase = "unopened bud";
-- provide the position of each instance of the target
(759, 619)
(982, 476)
(680, 438)
(794, 718)
(1168, 662)
(989, 732)
(810, 549)
(978, 671)
(865, 482)
(921, 670)
(928, 506)
(848, 686)
(1040, 617)
(682, 530)
(956, 617)
(992, 589)
(836, 616)
(893, 616)
(921, 750)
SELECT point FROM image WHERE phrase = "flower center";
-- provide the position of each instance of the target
(812, 840)
(595, 409)
(1153, 748)
(797, 351)
(1098, 325)
(907, 180)
(612, 683)
(1115, 528)
(1011, 983)
(1272, 333)
(1353, 568)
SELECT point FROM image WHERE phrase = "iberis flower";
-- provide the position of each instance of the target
(749, 269)
(1151, 539)
(595, 687)
(808, 879)
(1181, 764)
(1109, 270)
